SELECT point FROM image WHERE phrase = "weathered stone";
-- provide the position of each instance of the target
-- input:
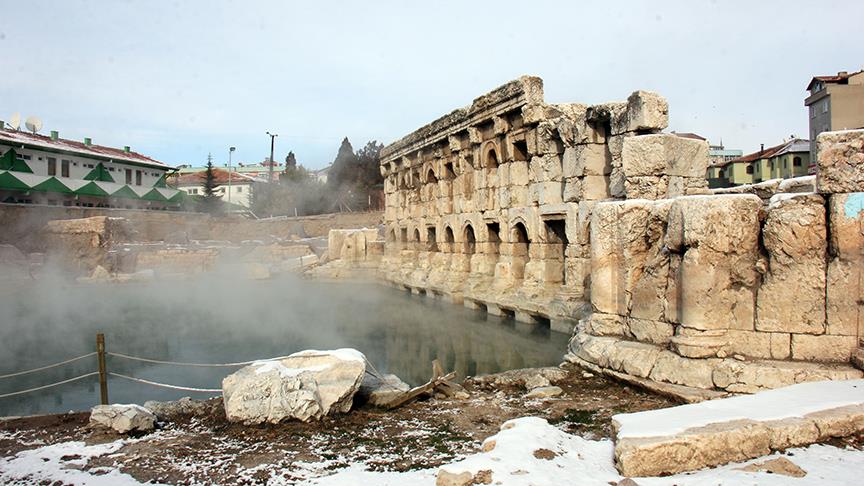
(672, 368)
(654, 332)
(792, 295)
(305, 386)
(123, 418)
(780, 465)
(645, 112)
(664, 155)
(380, 391)
(807, 347)
(544, 392)
(840, 162)
(587, 159)
(445, 478)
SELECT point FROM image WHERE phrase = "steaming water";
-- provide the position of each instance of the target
(223, 319)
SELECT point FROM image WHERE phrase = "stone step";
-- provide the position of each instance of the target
(717, 432)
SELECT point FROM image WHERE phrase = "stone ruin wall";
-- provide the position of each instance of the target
(590, 218)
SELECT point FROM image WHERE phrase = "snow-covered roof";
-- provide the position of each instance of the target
(37, 141)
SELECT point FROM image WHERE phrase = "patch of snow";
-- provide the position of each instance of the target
(791, 401)
(46, 465)
(284, 371)
(779, 198)
(347, 354)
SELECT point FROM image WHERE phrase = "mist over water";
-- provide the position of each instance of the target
(222, 317)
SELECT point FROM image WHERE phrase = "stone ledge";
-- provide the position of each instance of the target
(713, 433)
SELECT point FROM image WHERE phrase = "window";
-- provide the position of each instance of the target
(750, 169)
(239, 189)
(785, 164)
(111, 169)
(825, 106)
(128, 176)
(722, 173)
(137, 177)
(64, 168)
(796, 162)
(52, 166)
(89, 166)
(23, 157)
(75, 164)
(812, 112)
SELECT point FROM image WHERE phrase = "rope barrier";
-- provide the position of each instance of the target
(49, 386)
(210, 365)
(165, 385)
(41, 368)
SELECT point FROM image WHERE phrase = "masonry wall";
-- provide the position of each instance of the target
(590, 219)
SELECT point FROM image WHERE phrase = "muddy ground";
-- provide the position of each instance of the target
(206, 448)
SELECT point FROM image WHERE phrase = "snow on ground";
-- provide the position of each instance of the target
(791, 401)
(527, 451)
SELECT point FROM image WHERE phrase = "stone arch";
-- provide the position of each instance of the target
(449, 238)
(470, 240)
(490, 155)
(431, 178)
(519, 239)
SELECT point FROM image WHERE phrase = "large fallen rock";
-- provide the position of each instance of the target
(380, 391)
(123, 418)
(304, 386)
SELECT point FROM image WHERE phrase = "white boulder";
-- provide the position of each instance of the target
(305, 386)
(381, 391)
(123, 418)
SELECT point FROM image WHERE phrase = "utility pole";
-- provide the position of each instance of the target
(272, 145)
(230, 151)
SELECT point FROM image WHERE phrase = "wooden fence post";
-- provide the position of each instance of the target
(103, 374)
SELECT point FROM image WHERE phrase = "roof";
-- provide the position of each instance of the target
(841, 78)
(198, 178)
(35, 140)
(794, 145)
(689, 135)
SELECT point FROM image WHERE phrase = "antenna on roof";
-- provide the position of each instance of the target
(15, 121)
(33, 124)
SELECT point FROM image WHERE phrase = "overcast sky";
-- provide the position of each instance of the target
(176, 80)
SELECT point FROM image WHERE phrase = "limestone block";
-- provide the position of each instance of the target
(606, 261)
(763, 345)
(633, 358)
(577, 275)
(646, 187)
(587, 159)
(642, 228)
(593, 349)
(550, 192)
(518, 197)
(845, 298)
(693, 343)
(595, 188)
(664, 154)
(617, 182)
(840, 162)
(846, 215)
(808, 347)
(672, 368)
(572, 190)
(123, 418)
(548, 141)
(598, 324)
(544, 168)
(792, 295)
(647, 331)
(518, 173)
(753, 376)
(645, 111)
(718, 274)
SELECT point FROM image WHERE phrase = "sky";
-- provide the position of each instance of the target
(178, 80)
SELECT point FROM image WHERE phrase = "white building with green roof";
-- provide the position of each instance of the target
(39, 169)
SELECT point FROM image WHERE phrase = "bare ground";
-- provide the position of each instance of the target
(207, 448)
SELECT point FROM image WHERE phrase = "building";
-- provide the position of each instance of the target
(236, 191)
(789, 159)
(835, 103)
(39, 169)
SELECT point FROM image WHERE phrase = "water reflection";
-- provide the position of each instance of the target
(218, 321)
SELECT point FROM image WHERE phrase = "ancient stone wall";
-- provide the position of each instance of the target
(489, 205)
(566, 213)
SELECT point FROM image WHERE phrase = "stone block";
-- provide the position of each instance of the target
(761, 345)
(598, 324)
(792, 295)
(807, 347)
(587, 159)
(595, 188)
(672, 368)
(845, 298)
(645, 111)
(664, 155)
(647, 331)
(840, 162)
(646, 187)
(846, 216)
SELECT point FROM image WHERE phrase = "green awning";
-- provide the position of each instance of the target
(9, 181)
(161, 182)
(10, 161)
(154, 195)
(52, 184)
(176, 198)
(90, 189)
(99, 173)
(126, 192)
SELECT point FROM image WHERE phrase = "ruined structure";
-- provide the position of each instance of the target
(571, 213)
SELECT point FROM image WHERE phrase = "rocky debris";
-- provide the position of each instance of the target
(780, 465)
(445, 478)
(183, 407)
(518, 378)
(381, 391)
(708, 434)
(544, 392)
(840, 162)
(536, 381)
(79, 245)
(304, 386)
(123, 418)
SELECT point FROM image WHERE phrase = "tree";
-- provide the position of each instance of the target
(211, 202)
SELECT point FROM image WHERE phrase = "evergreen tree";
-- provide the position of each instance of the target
(211, 202)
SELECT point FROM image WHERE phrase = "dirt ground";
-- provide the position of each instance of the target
(206, 448)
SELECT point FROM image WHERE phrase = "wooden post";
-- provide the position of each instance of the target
(103, 374)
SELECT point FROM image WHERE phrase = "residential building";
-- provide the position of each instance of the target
(789, 159)
(39, 169)
(237, 190)
(835, 103)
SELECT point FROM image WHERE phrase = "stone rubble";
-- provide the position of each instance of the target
(123, 418)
